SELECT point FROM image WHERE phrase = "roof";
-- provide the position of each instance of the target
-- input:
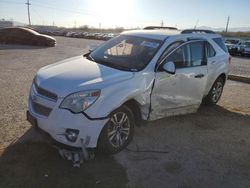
(159, 34)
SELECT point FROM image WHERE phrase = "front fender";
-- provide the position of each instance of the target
(113, 96)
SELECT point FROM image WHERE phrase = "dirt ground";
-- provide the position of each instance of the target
(208, 149)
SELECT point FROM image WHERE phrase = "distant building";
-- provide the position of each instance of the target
(5, 23)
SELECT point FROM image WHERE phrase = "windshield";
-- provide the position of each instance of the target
(127, 53)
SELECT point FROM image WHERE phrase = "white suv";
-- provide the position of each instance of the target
(95, 100)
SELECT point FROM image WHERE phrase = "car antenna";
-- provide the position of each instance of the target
(196, 24)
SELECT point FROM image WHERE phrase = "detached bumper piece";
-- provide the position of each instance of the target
(77, 156)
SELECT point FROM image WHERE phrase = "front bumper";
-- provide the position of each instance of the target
(57, 120)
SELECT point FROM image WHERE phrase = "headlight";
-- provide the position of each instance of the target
(80, 101)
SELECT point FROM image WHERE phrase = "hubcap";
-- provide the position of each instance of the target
(216, 92)
(118, 129)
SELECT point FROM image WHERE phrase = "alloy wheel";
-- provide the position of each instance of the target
(118, 129)
(216, 91)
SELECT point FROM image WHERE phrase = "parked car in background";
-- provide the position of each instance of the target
(70, 34)
(233, 46)
(25, 36)
(97, 99)
(245, 48)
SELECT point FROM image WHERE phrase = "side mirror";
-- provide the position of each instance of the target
(169, 67)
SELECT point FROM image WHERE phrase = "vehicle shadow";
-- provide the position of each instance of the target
(20, 47)
(36, 164)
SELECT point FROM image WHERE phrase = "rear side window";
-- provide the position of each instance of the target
(220, 42)
(210, 52)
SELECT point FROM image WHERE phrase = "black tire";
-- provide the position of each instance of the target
(215, 92)
(107, 142)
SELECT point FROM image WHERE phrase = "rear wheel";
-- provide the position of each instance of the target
(215, 93)
(118, 132)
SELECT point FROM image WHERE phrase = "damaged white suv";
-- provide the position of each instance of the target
(97, 99)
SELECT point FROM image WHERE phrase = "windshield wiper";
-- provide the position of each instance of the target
(89, 57)
(120, 67)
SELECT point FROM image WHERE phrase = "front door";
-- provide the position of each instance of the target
(182, 92)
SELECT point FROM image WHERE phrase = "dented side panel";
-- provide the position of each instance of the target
(179, 93)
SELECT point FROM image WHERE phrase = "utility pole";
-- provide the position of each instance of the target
(28, 6)
(228, 19)
(162, 23)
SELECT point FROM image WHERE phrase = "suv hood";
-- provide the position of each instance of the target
(78, 74)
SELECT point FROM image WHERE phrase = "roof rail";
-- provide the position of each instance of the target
(159, 27)
(187, 31)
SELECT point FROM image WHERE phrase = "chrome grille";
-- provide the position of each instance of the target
(45, 93)
(40, 109)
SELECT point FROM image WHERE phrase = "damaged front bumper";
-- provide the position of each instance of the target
(62, 125)
(76, 154)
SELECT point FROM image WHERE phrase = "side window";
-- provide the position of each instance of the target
(197, 53)
(189, 55)
(210, 52)
(180, 57)
(220, 42)
(169, 49)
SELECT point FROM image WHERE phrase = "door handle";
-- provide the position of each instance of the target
(199, 76)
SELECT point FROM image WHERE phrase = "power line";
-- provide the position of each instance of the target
(11, 2)
(65, 10)
(54, 6)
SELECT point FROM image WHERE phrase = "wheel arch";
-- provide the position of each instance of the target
(223, 76)
(134, 106)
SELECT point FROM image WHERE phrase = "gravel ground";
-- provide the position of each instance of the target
(206, 149)
(240, 66)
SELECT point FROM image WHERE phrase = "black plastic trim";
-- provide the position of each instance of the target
(188, 31)
(159, 27)
(90, 118)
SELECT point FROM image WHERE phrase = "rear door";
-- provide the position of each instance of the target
(183, 91)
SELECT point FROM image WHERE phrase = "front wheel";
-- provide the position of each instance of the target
(118, 131)
(215, 93)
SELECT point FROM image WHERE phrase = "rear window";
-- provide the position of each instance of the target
(220, 42)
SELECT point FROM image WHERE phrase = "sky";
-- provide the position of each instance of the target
(129, 13)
